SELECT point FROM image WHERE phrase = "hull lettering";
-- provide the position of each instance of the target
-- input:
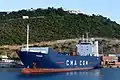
(75, 63)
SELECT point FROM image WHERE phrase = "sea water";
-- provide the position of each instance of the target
(96, 74)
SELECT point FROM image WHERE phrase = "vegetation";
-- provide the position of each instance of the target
(52, 24)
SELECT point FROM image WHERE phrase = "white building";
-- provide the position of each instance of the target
(73, 11)
(5, 58)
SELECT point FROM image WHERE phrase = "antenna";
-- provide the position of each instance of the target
(83, 38)
(27, 36)
(87, 36)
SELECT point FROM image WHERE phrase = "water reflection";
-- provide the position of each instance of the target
(10, 69)
(96, 74)
(82, 73)
(85, 73)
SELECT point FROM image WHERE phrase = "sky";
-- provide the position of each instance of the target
(106, 8)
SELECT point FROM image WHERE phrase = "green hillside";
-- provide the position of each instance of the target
(52, 24)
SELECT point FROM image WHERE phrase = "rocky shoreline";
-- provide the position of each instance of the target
(106, 46)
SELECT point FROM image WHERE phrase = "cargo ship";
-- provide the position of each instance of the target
(84, 56)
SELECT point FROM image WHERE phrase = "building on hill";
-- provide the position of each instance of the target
(73, 11)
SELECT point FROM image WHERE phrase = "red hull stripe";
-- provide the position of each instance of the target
(41, 71)
(60, 62)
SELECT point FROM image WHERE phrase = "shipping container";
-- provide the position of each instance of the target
(107, 58)
(117, 63)
(112, 54)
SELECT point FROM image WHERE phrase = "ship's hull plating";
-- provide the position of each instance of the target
(53, 60)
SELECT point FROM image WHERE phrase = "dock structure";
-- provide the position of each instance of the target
(110, 66)
(110, 62)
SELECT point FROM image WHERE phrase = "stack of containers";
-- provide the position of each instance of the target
(114, 57)
(107, 58)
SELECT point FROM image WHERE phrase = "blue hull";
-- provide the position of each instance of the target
(53, 60)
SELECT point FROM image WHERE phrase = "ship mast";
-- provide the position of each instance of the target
(27, 46)
(27, 37)
(27, 17)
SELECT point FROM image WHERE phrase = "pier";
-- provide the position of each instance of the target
(110, 62)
